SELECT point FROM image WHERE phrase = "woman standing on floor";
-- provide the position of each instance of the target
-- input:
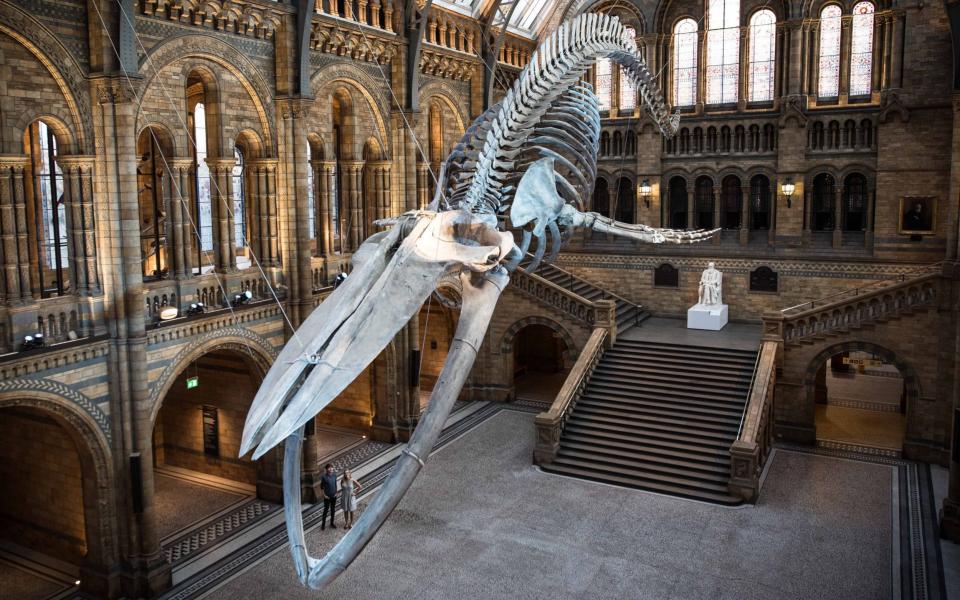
(349, 486)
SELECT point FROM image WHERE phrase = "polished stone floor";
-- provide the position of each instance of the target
(737, 336)
(871, 428)
(17, 583)
(481, 522)
(182, 500)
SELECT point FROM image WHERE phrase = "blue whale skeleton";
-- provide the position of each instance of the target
(525, 165)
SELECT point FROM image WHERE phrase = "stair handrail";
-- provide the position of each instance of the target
(749, 452)
(549, 424)
(571, 276)
(753, 381)
(928, 269)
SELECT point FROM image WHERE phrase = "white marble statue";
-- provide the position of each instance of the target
(711, 286)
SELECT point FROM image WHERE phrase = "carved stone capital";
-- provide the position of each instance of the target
(294, 108)
(19, 161)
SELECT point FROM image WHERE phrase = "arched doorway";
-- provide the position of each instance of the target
(539, 364)
(52, 521)
(860, 398)
(437, 324)
(196, 439)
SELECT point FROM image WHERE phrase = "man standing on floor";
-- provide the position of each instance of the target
(328, 485)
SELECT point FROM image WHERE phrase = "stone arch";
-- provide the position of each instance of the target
(507, 340)
(911, 379)
(217, 51)
(250, 141)
(66, 140)
(60, 63)
(436, 90)
(330, 77)
(93, 448)
(259, 352)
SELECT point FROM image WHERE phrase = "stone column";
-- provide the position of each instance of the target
(690, 208)
(886, 56)
(807, 213)
(837, 215)
(744, 216)
(353, 209)
(423, 186)
(327, 178)
(896, 60)
(221, 192)
(268, 202)
(846, 23)
(78, 171)
(13, 229)
(146, 572)
(716, 216)
(179, 245)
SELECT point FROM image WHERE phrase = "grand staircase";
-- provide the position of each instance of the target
(628, 313)
(661, 417)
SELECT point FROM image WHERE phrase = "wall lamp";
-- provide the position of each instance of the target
(32, 342)
(196, 308)
(787, 188)
(645, 192)
(241, 298)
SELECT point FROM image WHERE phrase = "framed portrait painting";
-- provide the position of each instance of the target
(918, 215)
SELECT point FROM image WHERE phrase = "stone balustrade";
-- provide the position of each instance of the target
(853, 308)
(749, 452)
(557, 298)
(549, 425)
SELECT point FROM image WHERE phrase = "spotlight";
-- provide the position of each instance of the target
(32, 342)
(196, 308)
(340, 278)
(242, 298)
(169, 313)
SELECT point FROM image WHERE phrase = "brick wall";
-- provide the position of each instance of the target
(42, 506)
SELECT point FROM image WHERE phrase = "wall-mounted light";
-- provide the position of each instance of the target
(32, 342)
(169, 313)
(196, 308)
(786, 189)
(645, 192)
(242, 298)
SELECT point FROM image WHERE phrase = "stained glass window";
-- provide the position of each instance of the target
(628, 92)
(685, 63)
(239, 214)
(763, 49)
(723, 51)
(829, 83)
(204, 204)
(604, 81)
(861, 50)
(311, 208)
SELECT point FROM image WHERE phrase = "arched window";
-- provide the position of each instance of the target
(678, 203)
(604, 83)
(723, 51)
(617, 143)
(49, 213)
(861, 50)
(731, 202)
(855, 203)
(153, 238)
(821, 214)
(760, 203)
(631, 143)
(601, 197)
(203, 207)
(239, 204)
(829, 64)
(311, 208)
(625, 201)
(704, 203)
(763, 50)
(685, 63)
(628, 92)
(666, 275)
(604, 143)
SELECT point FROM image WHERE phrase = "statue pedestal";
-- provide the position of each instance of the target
(707, 317)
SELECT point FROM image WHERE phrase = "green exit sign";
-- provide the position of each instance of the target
(192, 382)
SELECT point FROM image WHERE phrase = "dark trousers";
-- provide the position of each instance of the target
(328, 503)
